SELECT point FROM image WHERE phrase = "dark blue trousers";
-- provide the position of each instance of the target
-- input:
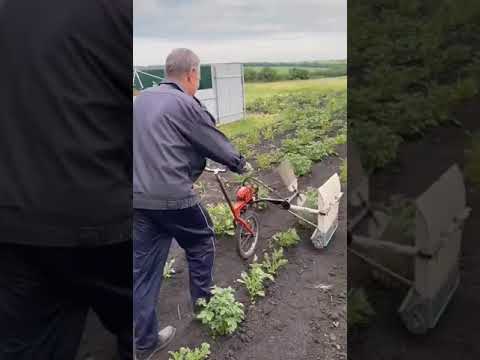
(153, 231)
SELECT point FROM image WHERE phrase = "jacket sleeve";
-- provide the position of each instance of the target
(211, 142)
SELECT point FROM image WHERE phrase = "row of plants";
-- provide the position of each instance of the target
(223, 314)
(308, 128)
(410, 63)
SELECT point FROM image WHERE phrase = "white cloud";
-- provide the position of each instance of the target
(240, 30)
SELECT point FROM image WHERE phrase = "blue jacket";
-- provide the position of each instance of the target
(173, 135)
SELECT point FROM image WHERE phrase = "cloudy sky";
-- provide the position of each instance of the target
(240, 30)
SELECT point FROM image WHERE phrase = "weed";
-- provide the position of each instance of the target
(222, 314)
(254, 280)
(287, 238)
(222, 219)
(273, 263)
(185, 353)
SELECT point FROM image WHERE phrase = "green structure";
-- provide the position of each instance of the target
(152, 76)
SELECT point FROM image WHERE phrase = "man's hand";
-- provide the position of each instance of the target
(247, 168)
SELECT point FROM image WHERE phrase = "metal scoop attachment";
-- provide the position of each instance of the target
(329, 195)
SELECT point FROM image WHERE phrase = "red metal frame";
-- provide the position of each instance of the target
(245, 196)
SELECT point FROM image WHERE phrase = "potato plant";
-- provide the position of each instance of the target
(272, 263)
(185, 353)
(302, 165)
(222, 219)
(286, 238)
(254, 280)
(222, 314)
(311, 202)
(266, 160)
(359, 310)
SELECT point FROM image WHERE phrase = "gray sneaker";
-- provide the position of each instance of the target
(165, 337)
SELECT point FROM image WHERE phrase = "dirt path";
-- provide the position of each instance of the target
(297, 319)
(421, 163)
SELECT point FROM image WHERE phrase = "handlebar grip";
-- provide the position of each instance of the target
(217, 170)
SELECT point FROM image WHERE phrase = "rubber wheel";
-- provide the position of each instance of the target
(246, 242)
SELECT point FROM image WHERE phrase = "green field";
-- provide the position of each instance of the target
(301, 120)
(318, 86)
(283, 70)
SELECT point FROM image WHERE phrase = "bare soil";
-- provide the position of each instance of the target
(297, 319)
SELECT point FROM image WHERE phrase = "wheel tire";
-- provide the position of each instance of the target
(246, 239)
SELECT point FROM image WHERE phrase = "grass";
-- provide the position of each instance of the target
(285, 69)
(295, 119)
(251, 125)
(319, 86)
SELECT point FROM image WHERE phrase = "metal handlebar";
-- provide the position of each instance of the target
(216, 170)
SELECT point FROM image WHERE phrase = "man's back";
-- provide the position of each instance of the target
(65, 149)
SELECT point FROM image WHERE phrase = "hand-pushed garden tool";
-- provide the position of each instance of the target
(440, 213)
(247, 223)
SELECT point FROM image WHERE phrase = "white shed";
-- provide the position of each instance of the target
(222, 88)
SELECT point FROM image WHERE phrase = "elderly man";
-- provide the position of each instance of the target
(173, 135)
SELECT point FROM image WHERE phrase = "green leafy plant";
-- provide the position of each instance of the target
(359, 310)
(222, 314)
(240, 178)
(243, 146)
(254, 280)
(222, 219)
(286, 238)
(266, 160)
(311, 195)
(402, 212)
(302, 165)
(261, 194)
(268, 133)
(185, 353)
(273, 263)
(168, 270)
(319, 150)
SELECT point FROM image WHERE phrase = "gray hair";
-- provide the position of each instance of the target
(180, 62)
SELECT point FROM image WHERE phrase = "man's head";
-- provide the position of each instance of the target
(183, 66)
